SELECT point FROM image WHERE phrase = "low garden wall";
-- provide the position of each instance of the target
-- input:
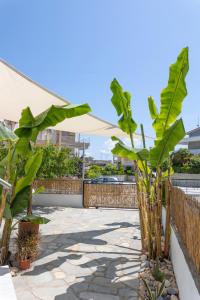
(120, 195)
(60, 185)
(73, 193)
(185, 243)
(59, 192)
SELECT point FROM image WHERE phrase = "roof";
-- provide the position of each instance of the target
(18, 91)
(194, 130)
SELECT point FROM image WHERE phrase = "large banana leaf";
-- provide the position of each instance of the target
(171, 138)
(31, 168)
(173, 95)
(23, 146)
(152, 108)
(6, 134)
(122, 150)
(35, 219)
(30, 126)
(20, 201)
(7, 211)
(122, 103)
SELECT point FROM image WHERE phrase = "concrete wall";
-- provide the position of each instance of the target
(184, 278)
(58, 200)
(7, 291)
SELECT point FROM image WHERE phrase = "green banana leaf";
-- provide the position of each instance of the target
(31, 168)
(6, 134)
(173, 135)
(23, 146)
(152, 108)
(122, 103)
(35, 219)
(20, 201)
(30, 126)
(122, 150)
(173, 95)
(39, 190)
(7, 212)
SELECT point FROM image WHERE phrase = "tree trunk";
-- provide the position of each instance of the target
(29, 208)
(5, 241)
(3, 204)
(168, 217)
(139, 200)
(158, 211)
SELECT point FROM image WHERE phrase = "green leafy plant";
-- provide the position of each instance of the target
(185, 162)
(110, 169)
(157, 274)
(151, 294)
(21, 150)
(58, 162)
(94, 171)
(169, 131)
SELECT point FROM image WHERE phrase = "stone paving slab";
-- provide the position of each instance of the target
(91, 254)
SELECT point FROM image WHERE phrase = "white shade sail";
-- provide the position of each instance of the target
(18, 91)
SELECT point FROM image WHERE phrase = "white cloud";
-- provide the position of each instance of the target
(107, 147)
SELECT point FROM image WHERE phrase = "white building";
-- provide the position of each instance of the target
(192, 141)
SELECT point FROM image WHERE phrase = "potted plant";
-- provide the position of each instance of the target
(27, 249)
(30, 223)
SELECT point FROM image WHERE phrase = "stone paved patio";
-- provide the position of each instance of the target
(85, 254)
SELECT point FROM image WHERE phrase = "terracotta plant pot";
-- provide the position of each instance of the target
(25, 227)
(24, 264)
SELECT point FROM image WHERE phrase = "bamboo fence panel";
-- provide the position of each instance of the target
(185, 212)
(110, 195)
(60, 186)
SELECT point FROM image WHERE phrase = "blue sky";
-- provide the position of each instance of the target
(76, 47)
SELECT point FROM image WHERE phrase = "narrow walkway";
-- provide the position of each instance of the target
(85, 254)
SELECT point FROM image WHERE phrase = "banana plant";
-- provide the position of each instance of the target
(6, 136)
(21, 194)
(169, 131)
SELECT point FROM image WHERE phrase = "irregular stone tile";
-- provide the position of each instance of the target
(103, 289)
(59, 274)
(26, 295)
(82, 260)
(98, 296)
(126, 293)
(39, 279)
(79, 287)
(49, 293)
(88, 252)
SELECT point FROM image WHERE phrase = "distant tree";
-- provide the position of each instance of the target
(120, 169)
(110, 169)
(58, 162)
(181, 157)
(94, 171)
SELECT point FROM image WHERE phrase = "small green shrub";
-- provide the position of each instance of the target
(185, 162)
(94, 171)
(157, 274)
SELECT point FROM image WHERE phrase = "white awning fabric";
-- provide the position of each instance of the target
(18, 91)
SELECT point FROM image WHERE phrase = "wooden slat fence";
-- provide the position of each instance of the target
(110, 195)
(186, 218)
(60, 186)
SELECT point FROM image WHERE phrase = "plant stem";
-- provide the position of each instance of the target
(5, 241)
(168, 216)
